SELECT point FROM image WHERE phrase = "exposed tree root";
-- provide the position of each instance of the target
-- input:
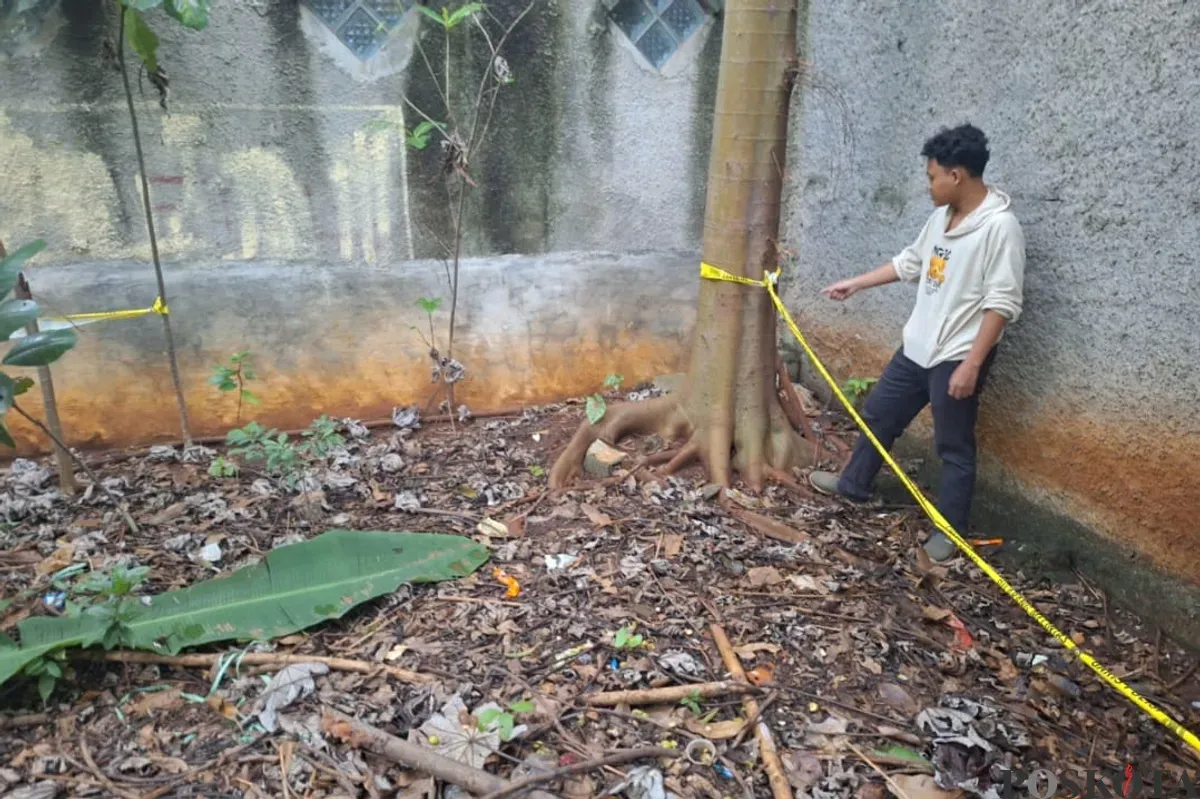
(661, 415)
(690, 452)
(761, 444)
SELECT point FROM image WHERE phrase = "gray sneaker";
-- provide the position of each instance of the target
(825, 483)
(940, 548)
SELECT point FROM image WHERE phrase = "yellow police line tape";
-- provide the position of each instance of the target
(769, 281)
(159, 307)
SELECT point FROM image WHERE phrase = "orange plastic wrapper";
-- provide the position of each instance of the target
(510, 582)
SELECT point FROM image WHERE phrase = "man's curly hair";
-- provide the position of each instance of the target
(964, 146)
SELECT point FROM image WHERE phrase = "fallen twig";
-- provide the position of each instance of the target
(97, 773)
(259, 659)
(616, 758)
(671, 693)
(780, 787)
(1187, 675)
(361, 735)
(32, 720)
(752, 722)
(891, 782)
(769, 527)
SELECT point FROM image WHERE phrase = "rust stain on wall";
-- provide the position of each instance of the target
(1136, 485)
(108, 399)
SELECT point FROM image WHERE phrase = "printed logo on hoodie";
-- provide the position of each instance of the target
(936, 275)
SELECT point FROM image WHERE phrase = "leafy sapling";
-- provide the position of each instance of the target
(430, 306)
(448, 19)
(233, 376)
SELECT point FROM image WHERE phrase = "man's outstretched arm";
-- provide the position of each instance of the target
(852, 285)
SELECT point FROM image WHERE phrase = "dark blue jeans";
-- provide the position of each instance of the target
(902, 392)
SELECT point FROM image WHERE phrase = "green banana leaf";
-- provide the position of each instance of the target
(293, 588)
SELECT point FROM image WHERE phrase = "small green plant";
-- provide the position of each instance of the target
(693, 703)
(627, 639)
(222, 467)
(430, 306)
(233, 376)
(856, 388)
(256, 444)
(503, 720)
(283, 459)
(418, 137)
(537, 471)
(321, 437)
(107, 596)
(448, 19)
(596, 406)
(243, 441)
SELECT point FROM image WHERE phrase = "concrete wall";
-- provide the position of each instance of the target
(294, 224)
(1091, 411)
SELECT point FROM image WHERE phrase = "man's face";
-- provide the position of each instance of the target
(944, 183)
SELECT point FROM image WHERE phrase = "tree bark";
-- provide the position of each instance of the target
(728, 409)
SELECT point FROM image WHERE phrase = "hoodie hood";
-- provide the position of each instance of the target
(995, 202)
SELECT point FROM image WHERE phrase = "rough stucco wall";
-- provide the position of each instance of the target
(273, 191)
(269, 153)
(1090, 410)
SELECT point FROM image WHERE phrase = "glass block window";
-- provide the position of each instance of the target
(362, 25)
(658, 27)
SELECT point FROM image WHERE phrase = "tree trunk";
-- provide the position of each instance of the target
(728, 409)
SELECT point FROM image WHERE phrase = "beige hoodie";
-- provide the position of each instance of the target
(978, 266)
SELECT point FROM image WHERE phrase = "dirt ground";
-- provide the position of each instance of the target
(874, 671)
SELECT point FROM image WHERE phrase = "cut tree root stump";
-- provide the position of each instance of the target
(259, 659)
(670, 694)
(780, 787)
(614, 759)
(361, 735)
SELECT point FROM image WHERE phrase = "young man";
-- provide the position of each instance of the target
(968, 264)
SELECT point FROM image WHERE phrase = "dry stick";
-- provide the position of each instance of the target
(129, 522)
(259, 659)
(780, 787)
(32, 720)
(891, 782)
(66, 475)
(671, 693)
(184, 424)
(361, 735)
(615, 759)
(471, 148)
(1187, 675)
(752, 722)
(100, 775)
(771, 528)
